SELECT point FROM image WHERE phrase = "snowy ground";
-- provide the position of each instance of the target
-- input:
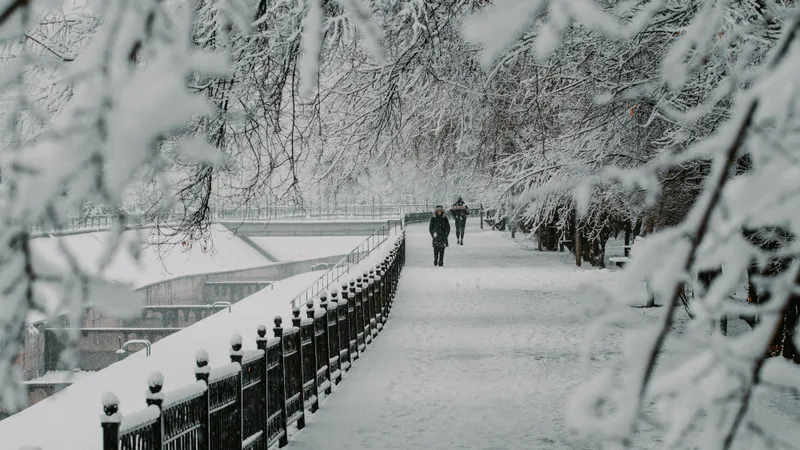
(481, 353)
(484, 353)
(157, 263)
(223, 252)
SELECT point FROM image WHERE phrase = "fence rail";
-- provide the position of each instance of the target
(100, 222)
(346, 264)
(250, 402)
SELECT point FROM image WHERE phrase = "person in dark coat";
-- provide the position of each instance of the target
(440, 230)
(460, 213)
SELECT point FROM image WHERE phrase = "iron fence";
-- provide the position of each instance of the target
(250, 402)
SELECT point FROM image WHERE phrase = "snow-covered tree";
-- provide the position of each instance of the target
(716, 82)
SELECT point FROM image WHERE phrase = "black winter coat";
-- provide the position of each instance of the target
(459, 211)
(440, 230)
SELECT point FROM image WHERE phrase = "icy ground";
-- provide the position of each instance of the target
(484, 353)
(481, 353)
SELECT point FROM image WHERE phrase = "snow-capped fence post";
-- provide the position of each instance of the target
(309, 355)
(363, 315)
(402, 250)
(358, 323)
(373, 302)
(277, 388)
(236, 356)
(201, 372)
(110, 421)
(261, 344)
(392, 274)
(342, 330)
(352, 332)
(366, 307)
(344, 334)
(387, 281)
(387, 284)
(381, 298)
(369, 279)
(332, 328)
(291, 344)
(321, 345)
(297, 322)
(376, 298)
(155, 397)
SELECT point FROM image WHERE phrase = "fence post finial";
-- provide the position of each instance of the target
(310, 308)
(236, 348)
(110, 421)
(277, 330)
(155, 382)
(202, 370)
(296, 320)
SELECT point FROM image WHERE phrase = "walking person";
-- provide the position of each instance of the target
(440, 230)
(460, 213)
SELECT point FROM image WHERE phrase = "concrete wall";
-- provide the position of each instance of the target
(231, 291)
(98, 347)
(189, 290)
(32, 357)
(300, 228)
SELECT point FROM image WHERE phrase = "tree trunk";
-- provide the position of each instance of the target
(627, 232)
(707, 277)
(770, 243)
(637, 228)
(790, 320)
(539, 238)
(577, 238)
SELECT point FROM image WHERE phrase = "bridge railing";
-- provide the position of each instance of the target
(344, 268)
(250, 402)
(346, 265)
(102, 222)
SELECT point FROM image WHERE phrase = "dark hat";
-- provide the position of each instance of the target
(438, 207)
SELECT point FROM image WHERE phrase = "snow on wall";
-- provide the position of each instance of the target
(71, 417)
(157, 264)
(296, 248)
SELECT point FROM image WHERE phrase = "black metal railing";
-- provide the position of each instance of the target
(343, 269)
(102, 222)
(251, 402)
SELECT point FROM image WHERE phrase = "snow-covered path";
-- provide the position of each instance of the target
(479, 354)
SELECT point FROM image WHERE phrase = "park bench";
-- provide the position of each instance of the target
(629, 250)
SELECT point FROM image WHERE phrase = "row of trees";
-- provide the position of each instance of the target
(674, 119)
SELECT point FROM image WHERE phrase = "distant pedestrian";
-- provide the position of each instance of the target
(460, 213)
(440, 230)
